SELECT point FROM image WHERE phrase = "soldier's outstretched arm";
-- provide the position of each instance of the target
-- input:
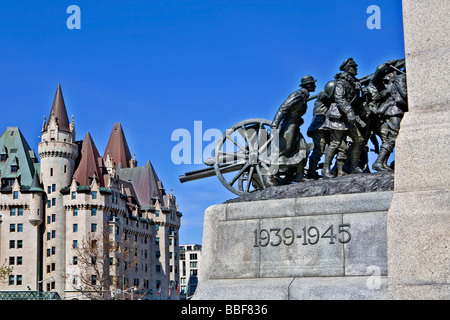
(291, 101)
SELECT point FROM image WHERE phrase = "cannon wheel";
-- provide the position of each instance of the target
(250, 166)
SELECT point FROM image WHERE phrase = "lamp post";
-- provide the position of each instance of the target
(39, 282)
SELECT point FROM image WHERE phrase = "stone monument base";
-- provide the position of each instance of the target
(318, 247)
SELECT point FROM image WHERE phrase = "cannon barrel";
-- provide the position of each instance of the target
(209, 172)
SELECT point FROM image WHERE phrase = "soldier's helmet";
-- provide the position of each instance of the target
(329, 88)
(307, 80)
(347, 63)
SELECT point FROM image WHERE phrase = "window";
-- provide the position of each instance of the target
(53, 201)
(14, 168)
(11, 261)
(193, 264)
(75, 261)
(53, 234)
(49, 189)
(12, 227)
(19, 227)
(158, 254)
(75, 227)
(75, 244)
(11, 280)
(19, 244)
(49, 204)
(53, 187)
(193, 256)
(12, 212)
(94, 195)
(53, 250)
(19, 260)
(51, 172)
(20, 212)
(48, 236)
(93, 211)
(158, 268)
(93, 227)
(75, 212)
(74, 195)
(12, 244)
(48, 252)
(16, 195)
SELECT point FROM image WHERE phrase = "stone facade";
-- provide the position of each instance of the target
(74, 200)
(190, 259)
(419, 220)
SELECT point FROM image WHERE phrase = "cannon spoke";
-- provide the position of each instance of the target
(236, 177)
(260, 176)
(249, 180)
(247, 139)
(265, 145)
(236, 143)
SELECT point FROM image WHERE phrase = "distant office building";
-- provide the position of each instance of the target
(76, 204)
(190, 256)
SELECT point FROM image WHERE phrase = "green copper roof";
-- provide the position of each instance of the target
(18, 153)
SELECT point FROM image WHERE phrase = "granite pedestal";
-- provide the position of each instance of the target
(318, 247)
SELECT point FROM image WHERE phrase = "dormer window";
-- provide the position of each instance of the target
(3, 154)
(14, 165)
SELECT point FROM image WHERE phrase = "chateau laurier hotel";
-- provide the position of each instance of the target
(78, 225)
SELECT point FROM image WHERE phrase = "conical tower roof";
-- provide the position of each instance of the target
(117, 147)
(90, 165)
(59, 110)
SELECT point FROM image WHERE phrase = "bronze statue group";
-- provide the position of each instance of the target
(348, 113)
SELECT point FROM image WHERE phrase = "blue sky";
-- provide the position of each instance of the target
(159, 65)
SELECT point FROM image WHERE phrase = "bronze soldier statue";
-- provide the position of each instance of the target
(289, 119)
(341, 118)
(320, 135)
(375, 93)
(392, 111)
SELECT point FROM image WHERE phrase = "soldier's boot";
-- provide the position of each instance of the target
(355, 155)
(326, 171)
(385, 165)
(312, 174)
(300, 172)
(382, 158)
(340, 166)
